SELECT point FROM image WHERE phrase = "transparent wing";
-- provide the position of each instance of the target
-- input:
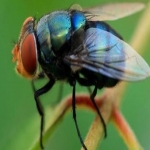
(104, 53)
(113, 11)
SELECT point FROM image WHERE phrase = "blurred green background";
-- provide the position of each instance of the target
(19, 120)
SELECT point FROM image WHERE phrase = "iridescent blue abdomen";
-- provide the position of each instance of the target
(103, 26)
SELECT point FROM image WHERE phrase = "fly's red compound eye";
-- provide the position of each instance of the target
(28, 52)
(25, 51)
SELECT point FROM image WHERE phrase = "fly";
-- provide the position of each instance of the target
(77, 46)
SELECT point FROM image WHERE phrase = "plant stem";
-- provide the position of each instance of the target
(125, 131)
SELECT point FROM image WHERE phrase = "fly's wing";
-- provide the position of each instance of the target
(104, 53)
(112, 11)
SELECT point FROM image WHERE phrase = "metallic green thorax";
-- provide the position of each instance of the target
(53, 33)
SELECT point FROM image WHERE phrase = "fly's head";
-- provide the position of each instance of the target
(25, 51)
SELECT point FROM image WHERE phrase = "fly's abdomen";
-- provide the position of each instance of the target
(97, 45)
(103, 26)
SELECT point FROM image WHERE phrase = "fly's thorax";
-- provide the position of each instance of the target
(54, 32)
(25, 51)
(54, 29)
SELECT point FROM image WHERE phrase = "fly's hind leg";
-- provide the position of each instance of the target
(97, 109)
(86, 82)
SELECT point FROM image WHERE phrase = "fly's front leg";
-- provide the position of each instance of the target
(39, 106)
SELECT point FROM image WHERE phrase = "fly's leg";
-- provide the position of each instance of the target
(39, 106)
(98, 111)
(86, 82)
(73, 83)
(41, 113)
(41, 75)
